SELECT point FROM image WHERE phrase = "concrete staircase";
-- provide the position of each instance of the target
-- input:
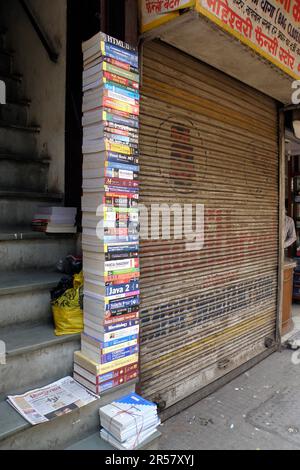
(35, 356)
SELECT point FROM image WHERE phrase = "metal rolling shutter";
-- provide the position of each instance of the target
(206, 139)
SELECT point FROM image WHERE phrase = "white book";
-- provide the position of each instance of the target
(132, 431)
(132, 443)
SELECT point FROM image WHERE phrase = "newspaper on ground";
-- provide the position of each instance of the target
(47, 403)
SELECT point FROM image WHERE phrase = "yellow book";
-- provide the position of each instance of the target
(100, 369)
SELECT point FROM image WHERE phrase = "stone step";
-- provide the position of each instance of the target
(13, 87)
(14, 113)
(18, 208)
(6, 58)
(23, 173)
(34, 356)
(26, 250)
(18, 139)
(95, 443)
(25, 297)
(59, 434)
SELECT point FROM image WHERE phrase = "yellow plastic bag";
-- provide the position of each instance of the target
(67, 310)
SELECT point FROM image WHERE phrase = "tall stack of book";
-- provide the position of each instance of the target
(110, 342)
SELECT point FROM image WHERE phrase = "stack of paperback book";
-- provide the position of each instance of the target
(110, 346)
(55, 220)
(129, 423)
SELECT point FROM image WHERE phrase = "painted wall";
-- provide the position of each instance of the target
(44, 81)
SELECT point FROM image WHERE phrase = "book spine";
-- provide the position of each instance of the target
(119, 355)
(120, 203)
(109, 367)
(121, 72)
(120, 148)
(129, 344)
(120, 334)
(120, 189)
(121, 166)
(120, 174)
(119, 342)
(119, 182)
(113, 127)
(121, 312)
(120, 120)
(118, 117)
(127, 370)
(109, 249)
(120, 97)
(122, 289)
(122, 197)
(109, 320)
(123, 91)
(130, 84)
(112, 305)
(125, 107)
(121, 278)
(120, 64)
(117, 42)
(121, 255)
(113, 157)
(119, 54)
(131, 134)
(119, 381)
(121, 265)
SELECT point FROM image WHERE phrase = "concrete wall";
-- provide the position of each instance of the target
(44, 81)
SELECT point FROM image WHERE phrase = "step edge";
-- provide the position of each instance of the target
(19, 159)
(31, 195)
(20, 127)
(24, 158)
(57, 340)
(30, 287)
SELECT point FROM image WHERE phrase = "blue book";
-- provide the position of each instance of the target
(117, 53)
(120, 326)
(123, 248)
(120, 158)
(124, 166)
(115, 342)
(121, 189)
(116, 305)
(122, 91)
(122, 288)
(121, 120)
(121, 354)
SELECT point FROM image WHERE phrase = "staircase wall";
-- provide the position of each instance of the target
(44, 81)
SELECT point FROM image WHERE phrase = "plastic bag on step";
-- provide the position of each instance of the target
(68, 309)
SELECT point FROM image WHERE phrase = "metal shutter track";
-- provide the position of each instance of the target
(209, 139)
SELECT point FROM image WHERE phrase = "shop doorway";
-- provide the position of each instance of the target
(85, 19)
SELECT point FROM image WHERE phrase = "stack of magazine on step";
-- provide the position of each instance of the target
(129, 423)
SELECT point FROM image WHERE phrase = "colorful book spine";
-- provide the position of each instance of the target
(110, 343)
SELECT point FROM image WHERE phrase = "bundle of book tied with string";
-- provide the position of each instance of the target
(130, 422)
(110, 343)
